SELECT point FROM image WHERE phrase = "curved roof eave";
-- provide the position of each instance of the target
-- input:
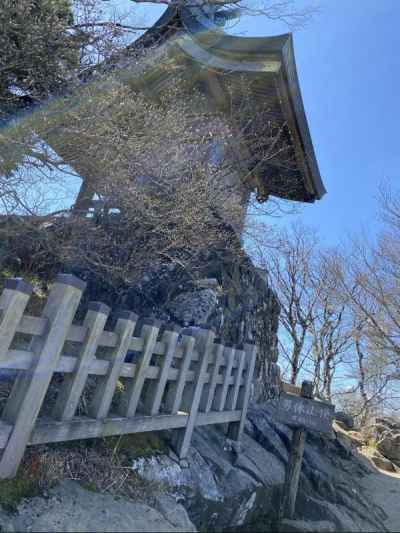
(213, 47)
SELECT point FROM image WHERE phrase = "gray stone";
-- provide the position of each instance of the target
(381, 462)
(70, 508)
(388, 438)
(194, 307)
(346, 420)
(208, 283)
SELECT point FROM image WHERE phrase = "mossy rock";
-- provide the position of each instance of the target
(136, 445)
(12, 491)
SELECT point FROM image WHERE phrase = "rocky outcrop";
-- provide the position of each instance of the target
(227, 293)
(387, 435)
(69, 507)
(381, 462)
(224, 489)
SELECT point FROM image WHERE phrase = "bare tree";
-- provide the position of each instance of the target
(291, 268)
(368, 280)
(331, 328)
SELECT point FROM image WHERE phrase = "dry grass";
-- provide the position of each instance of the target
(102, 465)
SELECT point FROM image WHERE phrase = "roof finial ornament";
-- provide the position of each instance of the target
(222, 16)
(218, 12)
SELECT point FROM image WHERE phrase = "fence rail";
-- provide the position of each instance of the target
(178, 381)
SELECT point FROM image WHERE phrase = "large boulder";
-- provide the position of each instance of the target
(69, 507)
(387, 431)
(345, 420)
(382, 462)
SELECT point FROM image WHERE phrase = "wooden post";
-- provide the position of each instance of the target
(293, 469)
(204, 345)
(30, 387)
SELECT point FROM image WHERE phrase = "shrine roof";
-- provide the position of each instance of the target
(269, 65)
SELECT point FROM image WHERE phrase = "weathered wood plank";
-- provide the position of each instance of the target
(292, 475)
(30, 388)
(89, 428)
(32, 325)
(5, 432)
(297, 411)
(291, 389)
(104, 393)
(130, 399)
(13, 300)
(74, 383)
(23, 360)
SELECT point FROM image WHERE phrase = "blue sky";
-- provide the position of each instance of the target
(348, 60)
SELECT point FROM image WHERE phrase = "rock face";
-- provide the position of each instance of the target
(223, 489)
(228, 293)
(387, 434)
(69, 507)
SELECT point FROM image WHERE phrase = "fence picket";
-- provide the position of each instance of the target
(208, 400)
(130, 400)
(235, 429)
(220, 397)
(204, 343)
(14, 298)
(30, 388)
(104, 393)
(156, 391)
(233, 393)
(73, 384)
(175, 393)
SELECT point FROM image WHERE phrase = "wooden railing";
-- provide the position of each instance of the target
(177, 382)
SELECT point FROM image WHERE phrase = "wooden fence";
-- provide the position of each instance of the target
(176, 382)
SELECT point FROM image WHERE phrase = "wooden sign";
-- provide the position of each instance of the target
(300, 412)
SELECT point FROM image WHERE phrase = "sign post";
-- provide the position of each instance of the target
(302, 413)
